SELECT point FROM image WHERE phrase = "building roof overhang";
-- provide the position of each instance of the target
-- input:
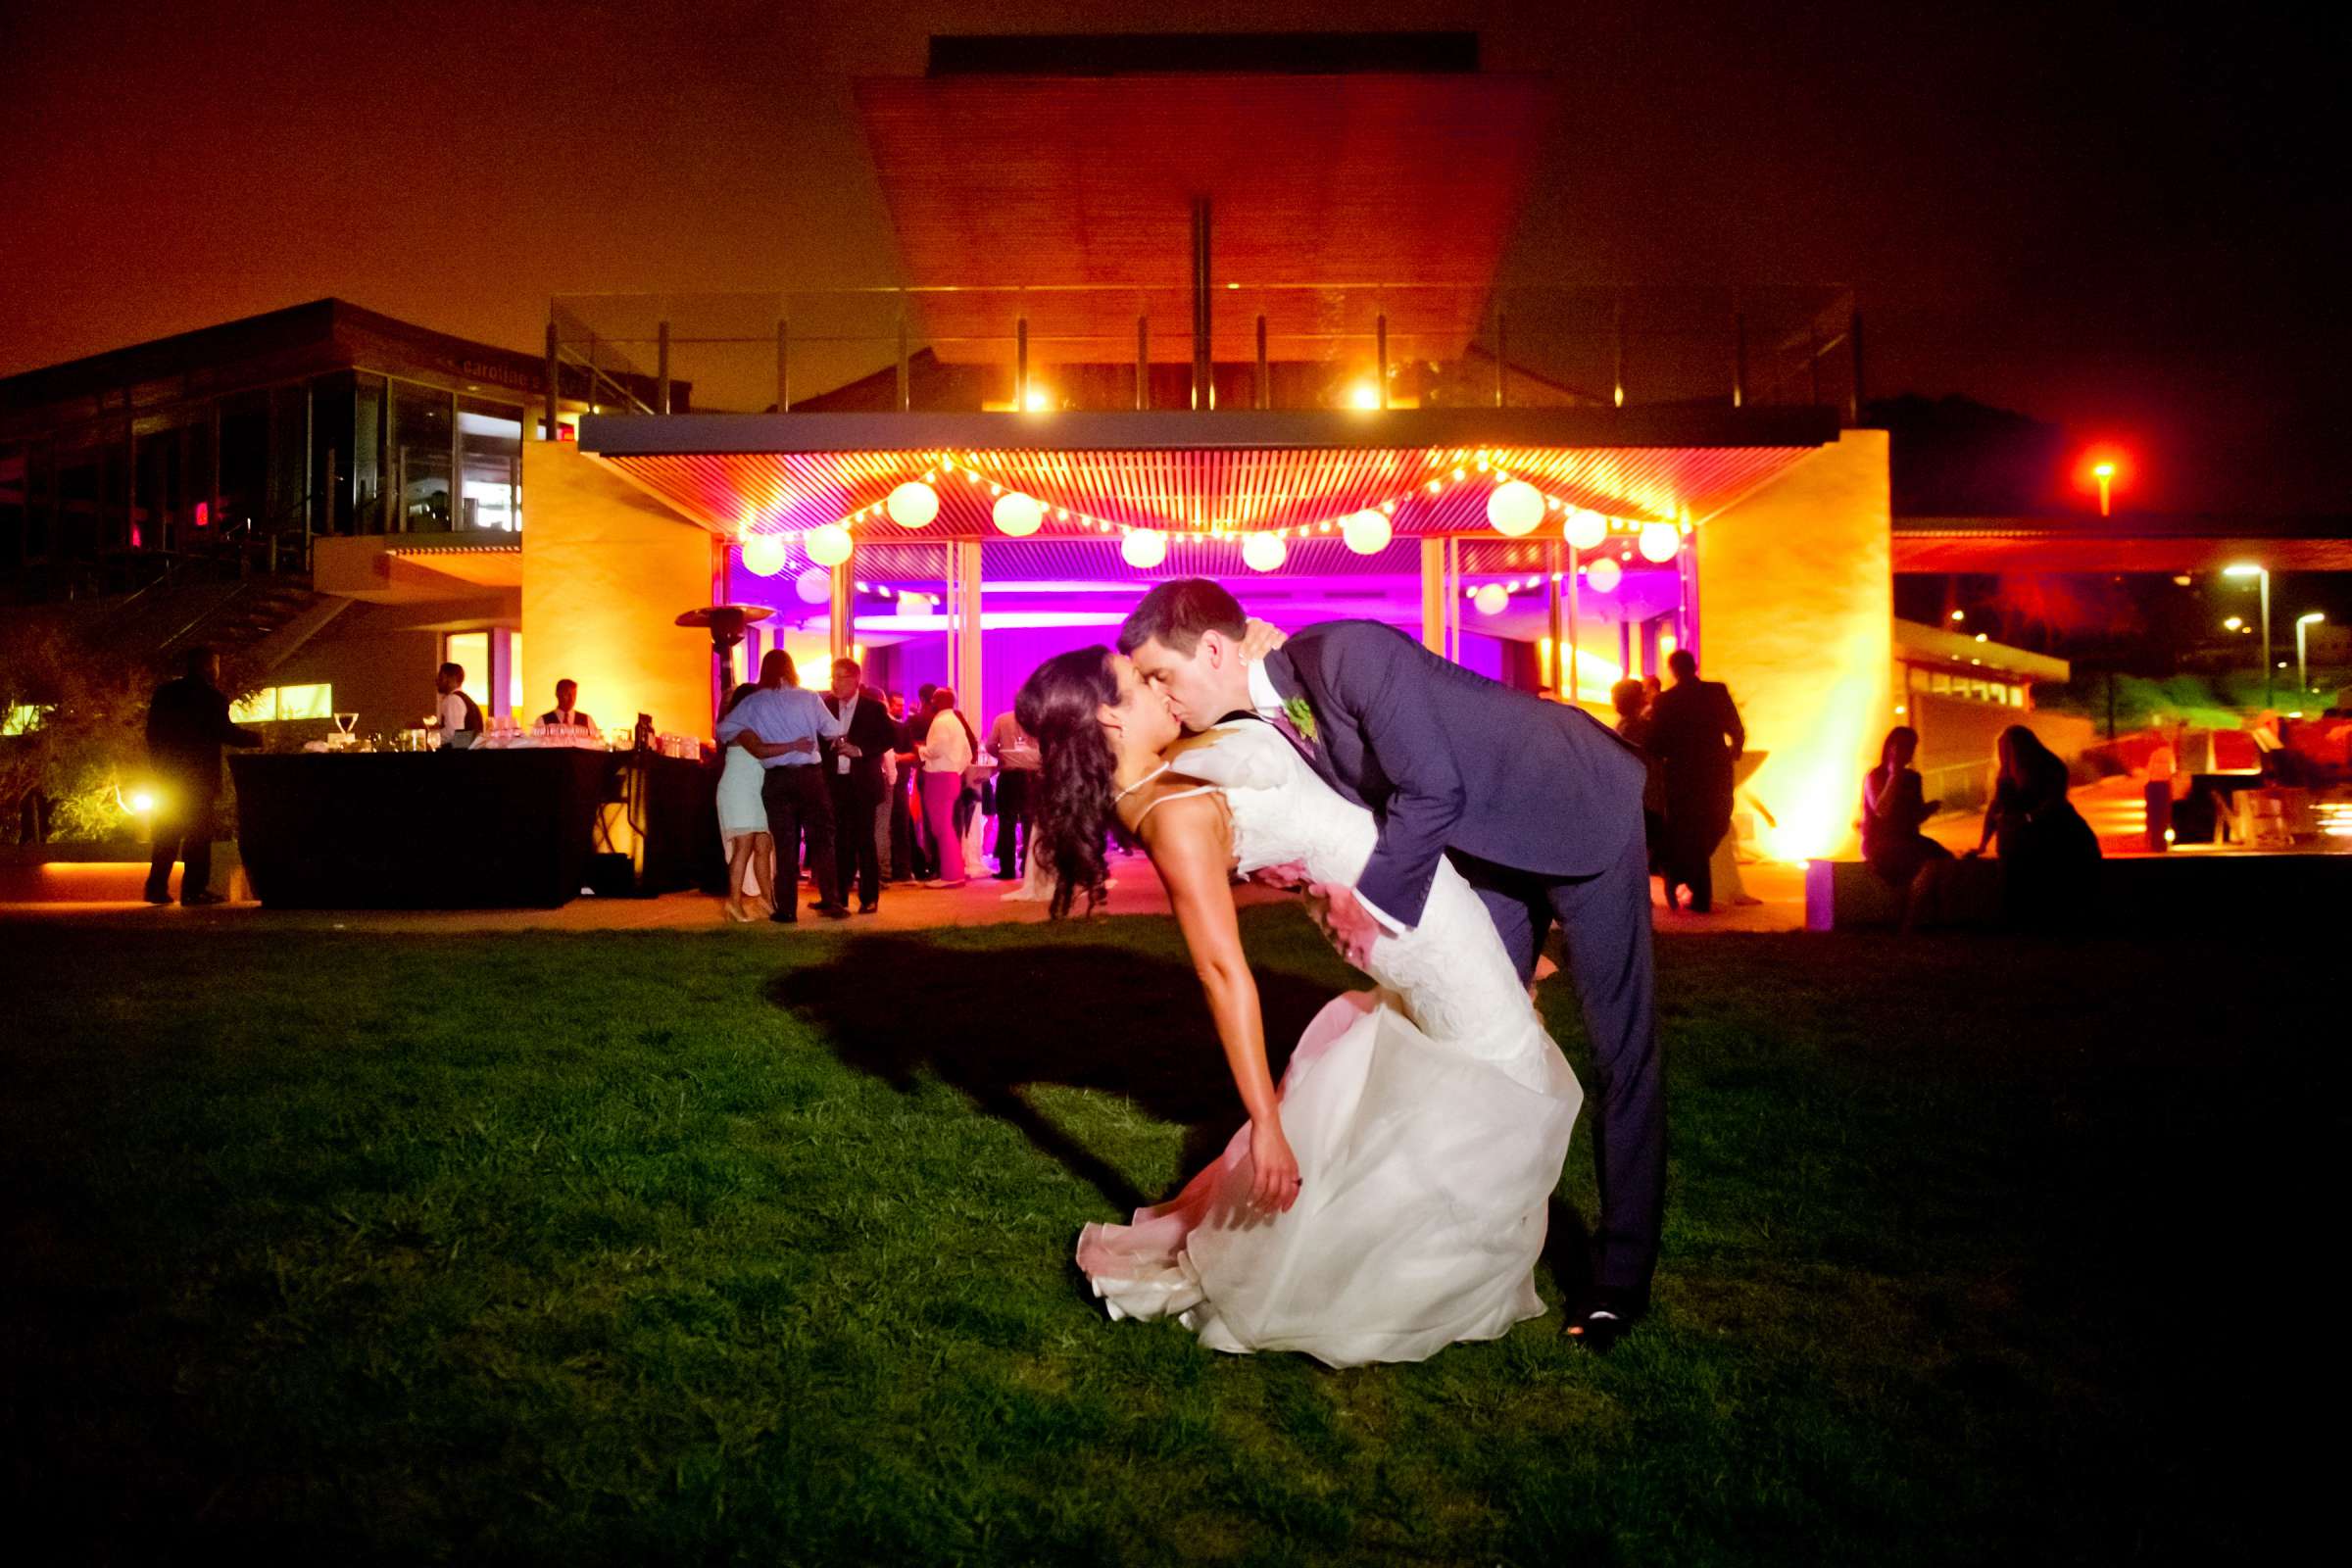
(1237, 471)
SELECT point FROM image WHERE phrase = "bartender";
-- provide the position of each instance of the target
(567, 710)
(455, 713)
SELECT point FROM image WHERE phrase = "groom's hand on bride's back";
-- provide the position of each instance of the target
(1259, 639)
(1348, 922)
(1291, 874)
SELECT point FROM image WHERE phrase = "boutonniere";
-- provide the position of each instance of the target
(1301, 717)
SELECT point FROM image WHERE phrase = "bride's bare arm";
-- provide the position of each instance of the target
(1191, 848)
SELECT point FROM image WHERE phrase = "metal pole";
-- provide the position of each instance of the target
(1739, 359)
(661, 370)
(553, 381)
(1854, 398)
(842, 617)
(1620, 384)
(1203, 365)
(1551, 608)
(1020, 365)
(2268, 668)
(1502, 372)
(1576, 673)
(1813, 359)
(1143, 362)
(783, 366)
(1265, 387)
(1380, 348)
(592, 372)
(905, 391)
(2302, 661)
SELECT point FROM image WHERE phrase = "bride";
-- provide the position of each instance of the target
(1389, 1196)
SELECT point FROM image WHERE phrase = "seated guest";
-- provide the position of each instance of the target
(2046, 850)
(1895, 807)
(454, 713)
(567, 710)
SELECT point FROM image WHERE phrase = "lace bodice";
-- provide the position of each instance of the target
(1450, 972)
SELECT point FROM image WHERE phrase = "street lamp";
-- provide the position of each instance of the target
(2303, 625)
(2269, 672)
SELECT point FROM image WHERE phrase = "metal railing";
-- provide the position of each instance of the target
(1229, 345)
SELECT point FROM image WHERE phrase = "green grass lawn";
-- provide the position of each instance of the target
(745, 1245)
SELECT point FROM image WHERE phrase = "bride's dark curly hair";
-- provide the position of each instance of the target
(1074, 805)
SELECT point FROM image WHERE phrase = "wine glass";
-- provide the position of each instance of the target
(344, 723)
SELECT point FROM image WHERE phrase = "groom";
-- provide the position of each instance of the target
(1538, 804)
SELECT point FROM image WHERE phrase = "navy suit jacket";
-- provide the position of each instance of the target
(1448, 760)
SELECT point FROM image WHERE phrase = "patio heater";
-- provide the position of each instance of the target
(726, 623)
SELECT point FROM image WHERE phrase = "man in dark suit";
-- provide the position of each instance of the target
(567, 707)
(1539, 807)
(854, 773)
(187, 724)
(1695, 734)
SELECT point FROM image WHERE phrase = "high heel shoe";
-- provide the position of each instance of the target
(735, 912)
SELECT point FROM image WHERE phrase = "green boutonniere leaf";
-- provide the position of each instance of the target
(1303, 718)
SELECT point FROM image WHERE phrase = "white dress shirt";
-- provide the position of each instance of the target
(947, 749)
(1267, 702)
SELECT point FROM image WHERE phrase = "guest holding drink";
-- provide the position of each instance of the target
(949, 748)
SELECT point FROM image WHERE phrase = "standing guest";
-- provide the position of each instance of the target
(2048, 853)
(743, 821)
(1894, 806)
(1631, 702)
(567, 707)
(781, 724)
(454, 713)
(187, 724)
(856, 778)
(906, 847)
(1018, 764)
(1695, 733)
(948, 750)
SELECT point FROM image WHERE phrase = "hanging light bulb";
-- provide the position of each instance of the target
(1603, 575)
(1659, 541)
(1585, 528)
(910, 604)
(1492, 599)
(764, 555)
(1144, 549)
(1515, 507)
(1264, 551)
(913, 503)
(1368, 532)
(829, 546)
(1018, 515)
(815, 586)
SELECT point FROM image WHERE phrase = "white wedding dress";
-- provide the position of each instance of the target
(1430, 1119)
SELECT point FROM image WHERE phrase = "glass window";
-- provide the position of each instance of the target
(289, 459)
(420, 453)
(490, 448)
(367, 455)
(331, 419)
(1940, 682)
(13, 497)
(471, 649)
(274, 703)
(244, 460)
(77, 506)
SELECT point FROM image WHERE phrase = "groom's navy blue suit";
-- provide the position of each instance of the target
(1539, 806)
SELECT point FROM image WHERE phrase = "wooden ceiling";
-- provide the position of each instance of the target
(1344, 183)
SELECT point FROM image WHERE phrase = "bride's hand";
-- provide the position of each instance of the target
(1258, 639)
(1274, 1182)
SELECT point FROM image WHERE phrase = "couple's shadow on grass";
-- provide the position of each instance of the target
(1089, 1015)
(991, 1022)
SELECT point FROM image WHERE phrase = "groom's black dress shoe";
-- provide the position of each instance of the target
(1600, 1321)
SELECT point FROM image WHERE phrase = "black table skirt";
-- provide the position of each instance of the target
(418, 830)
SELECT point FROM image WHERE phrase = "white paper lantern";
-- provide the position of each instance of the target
(1262, 552)
(1368, 532)
(1515, 507)
(815, 586)
(829, 546)
(1603, 575)
(1143, 549)
(1492, 599)
(1659, 541)
(764, 555)
(913, 504)
(1585, 528)
(1018, 515)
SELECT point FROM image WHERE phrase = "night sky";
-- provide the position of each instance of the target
(2117, 218)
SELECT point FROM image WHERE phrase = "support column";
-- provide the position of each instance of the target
(842, 617)
(964, 665)
(1441, 597)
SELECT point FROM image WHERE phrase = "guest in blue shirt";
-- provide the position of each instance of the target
(782, 725)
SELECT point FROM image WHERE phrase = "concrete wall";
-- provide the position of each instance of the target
(607, 569)
(1795, 612)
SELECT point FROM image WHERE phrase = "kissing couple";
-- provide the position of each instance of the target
(1390, 1195)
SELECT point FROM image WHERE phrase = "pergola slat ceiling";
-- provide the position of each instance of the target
(1195, 489)
(999, 182)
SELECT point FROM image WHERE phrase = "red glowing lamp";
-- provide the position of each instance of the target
(2102, 468)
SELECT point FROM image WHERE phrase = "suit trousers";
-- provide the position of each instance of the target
(859, 860)
(181, 829)
(1012, 821)
(1606, 929)
(798, 804)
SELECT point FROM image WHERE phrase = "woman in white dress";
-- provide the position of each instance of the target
(742, 823)
(1389, 1196)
